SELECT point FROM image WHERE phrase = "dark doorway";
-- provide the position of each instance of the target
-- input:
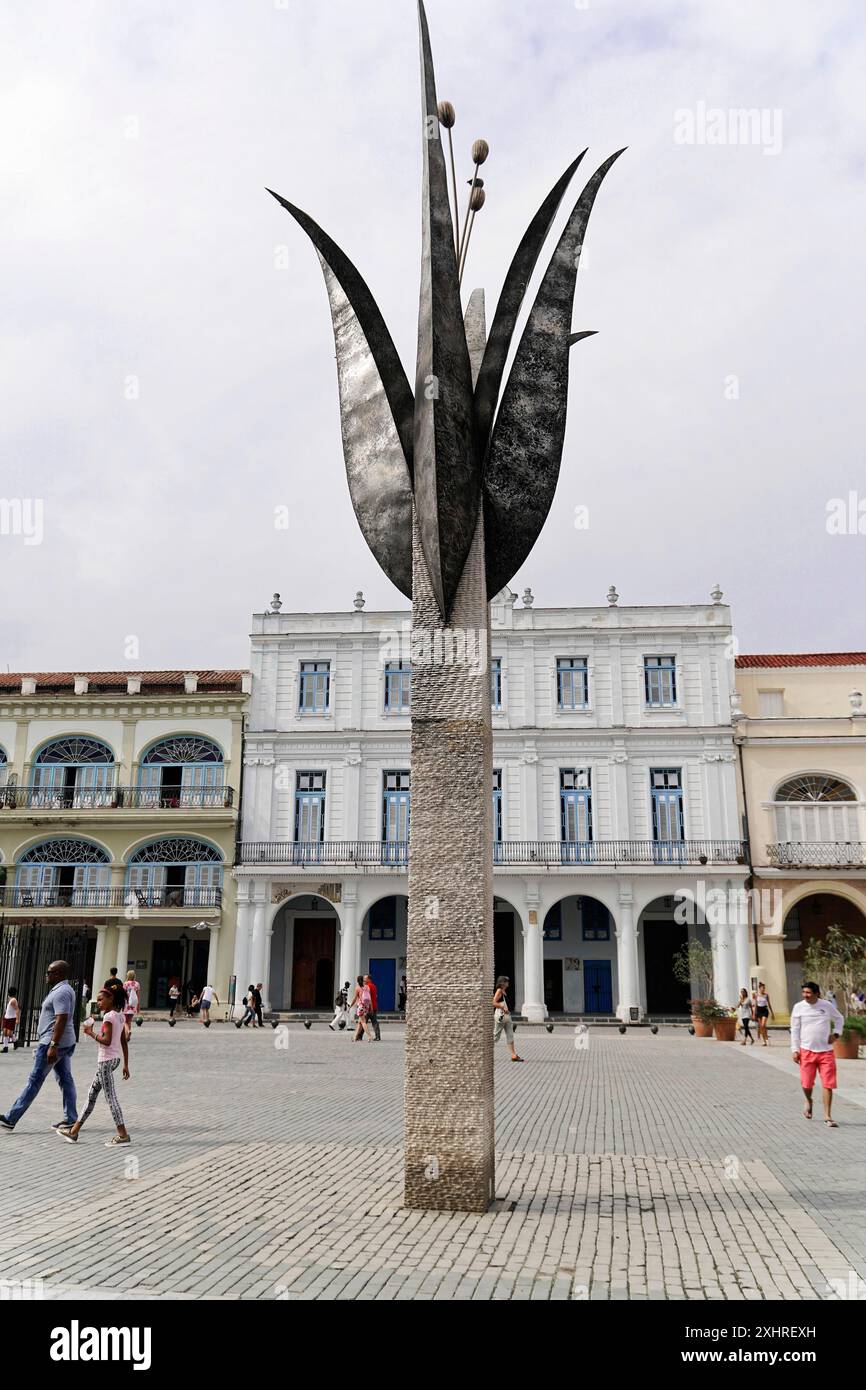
(661, 941)
(198, 974)
(313, 963)
(553, 987)
(167, 966)
(597, 987)
(503, 951)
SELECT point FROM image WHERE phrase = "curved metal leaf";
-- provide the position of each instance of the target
(373, 326)
(522, 465)
(510, 300)
(379, 483)
(447, 464)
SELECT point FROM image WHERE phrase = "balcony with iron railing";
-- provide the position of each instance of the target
(138, 899)
(544, 853)
(817, 854)
(116, 798)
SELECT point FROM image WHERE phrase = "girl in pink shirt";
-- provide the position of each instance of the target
(112, 1045)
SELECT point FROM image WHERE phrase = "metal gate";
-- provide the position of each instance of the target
(26, 951)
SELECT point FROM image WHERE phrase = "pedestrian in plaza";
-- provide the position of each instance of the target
(341, 1008)
(502, 1017)
(257, 1003)
(132, 990)
(374, 1007)
(112, 1043)
(11, 1017)
(55, 1036)
(173, 997)
(362, 1004)
(205, 999)
(401, 995)
(114, 981)
(249, 1014)
(814, 1024)
(763, 1010)
(745, 1015)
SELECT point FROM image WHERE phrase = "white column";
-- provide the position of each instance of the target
(723, 965)
(265, 976)
(212, 951)
(123, 930)
(533, 1008)
(350, 942)
(738, 917)
(627, 958)
(100, 970)
(257, 948)
(241, 965)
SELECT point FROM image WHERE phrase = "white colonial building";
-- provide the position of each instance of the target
(614, 788)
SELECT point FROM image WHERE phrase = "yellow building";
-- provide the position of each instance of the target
(801, 727)
(118, 816)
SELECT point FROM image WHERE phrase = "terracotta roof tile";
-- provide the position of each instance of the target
(157, 682)
(776, 659)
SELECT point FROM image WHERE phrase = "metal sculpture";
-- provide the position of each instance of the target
(451, 494)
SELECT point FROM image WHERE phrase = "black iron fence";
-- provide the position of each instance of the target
(145, 898)
(544, 852)
(26, 951)
(110, 798)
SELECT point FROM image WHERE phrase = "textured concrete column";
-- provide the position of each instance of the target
(449, 1033)
(627, 968)
(350, 943)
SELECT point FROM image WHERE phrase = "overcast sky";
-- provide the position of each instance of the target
(712, 420)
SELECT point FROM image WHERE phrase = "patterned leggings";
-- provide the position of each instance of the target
(104, 1081)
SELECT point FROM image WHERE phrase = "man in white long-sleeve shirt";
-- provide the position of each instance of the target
(814, 1022)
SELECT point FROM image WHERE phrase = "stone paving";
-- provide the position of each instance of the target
(640, 1167)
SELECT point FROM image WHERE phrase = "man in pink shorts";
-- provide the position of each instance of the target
(814, 1023)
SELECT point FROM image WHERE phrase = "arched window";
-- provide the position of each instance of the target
(73, 772)
(180, 872)
(816, 808)
(63, 873)
(185, 770)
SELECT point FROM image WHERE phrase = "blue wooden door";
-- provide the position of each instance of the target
(384, 976)
(597, 987)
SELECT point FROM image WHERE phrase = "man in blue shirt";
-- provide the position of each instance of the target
(56, 1044)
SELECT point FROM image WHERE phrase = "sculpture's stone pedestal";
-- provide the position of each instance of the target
(449, 1142)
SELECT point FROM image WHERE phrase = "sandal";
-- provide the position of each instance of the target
(831, 1124)
(116, 1141)
(518, 1059)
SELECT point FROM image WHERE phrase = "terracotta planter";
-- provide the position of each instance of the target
(725, 1029)
(847, 1051)
(702, 1030)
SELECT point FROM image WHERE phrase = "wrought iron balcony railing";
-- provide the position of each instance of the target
(544, 852)
(820, 854)
(138, 898)
(110, 798)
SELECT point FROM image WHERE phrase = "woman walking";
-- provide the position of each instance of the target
(744, 1011)
(502, 1017)
(11, 1016)
(763, 1010)
(112, 1043)
(363, 1004)
(132, 989)
(173, 997)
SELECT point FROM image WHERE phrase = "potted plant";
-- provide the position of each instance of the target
(704, 1015)
(725, 1025)
(847, 1047)
(693, 963)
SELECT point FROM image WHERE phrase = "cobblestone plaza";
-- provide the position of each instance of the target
(269, 1166)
